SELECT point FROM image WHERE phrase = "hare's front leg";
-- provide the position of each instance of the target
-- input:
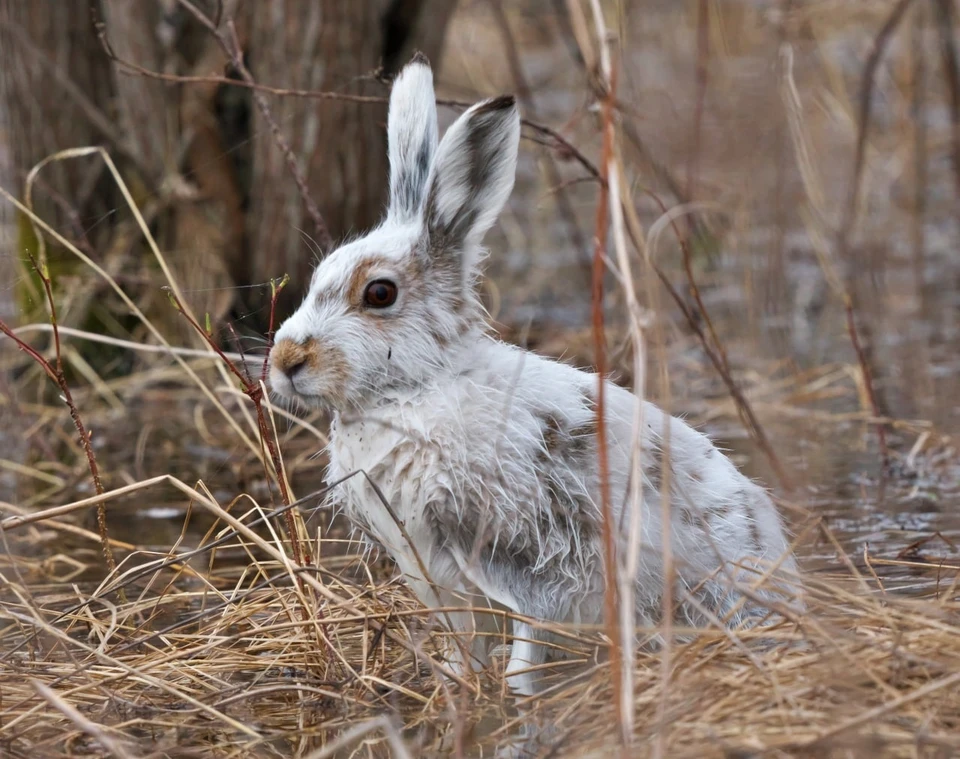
(447, 591)
(528, 652)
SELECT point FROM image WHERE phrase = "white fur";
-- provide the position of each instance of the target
(485, 452)
(411, 138)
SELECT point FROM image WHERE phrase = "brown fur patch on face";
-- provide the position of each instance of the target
(325, 360)
(330, 362)
(361, 277)
(407, 275)
(287, 354)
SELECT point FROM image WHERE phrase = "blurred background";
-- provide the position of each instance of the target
(806, 152)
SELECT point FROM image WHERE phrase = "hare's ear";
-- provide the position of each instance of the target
(472, 177)
(411, 137)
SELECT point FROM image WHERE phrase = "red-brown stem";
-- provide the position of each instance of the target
(78, 423)
(243, 355)
(203, 333)
(253, 391)
(30, 351)
(58, 376)
(612, 619)
(275, 288)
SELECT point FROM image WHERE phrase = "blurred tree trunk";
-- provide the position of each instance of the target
(54, 85)
(200, 158)
(341, 146)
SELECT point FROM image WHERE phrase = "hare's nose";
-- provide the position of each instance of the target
(294, 369)
(289, 357)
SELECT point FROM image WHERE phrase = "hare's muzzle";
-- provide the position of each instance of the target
(311, 370)
(289, 357)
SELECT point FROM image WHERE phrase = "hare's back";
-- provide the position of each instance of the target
(718, 511)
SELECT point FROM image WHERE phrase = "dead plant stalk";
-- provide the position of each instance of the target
(852, 210)
(254, 391)
(56, 374)
(611, 615)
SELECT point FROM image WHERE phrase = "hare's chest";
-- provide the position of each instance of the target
(384, 481)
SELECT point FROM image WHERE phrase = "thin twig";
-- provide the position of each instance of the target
(918, 118)
(866, 101)
(565, 150)
(703, 56)
(231, 46)
(714, 349)
(525, 94)
(254, 391)
(851, 212)
(55, 372)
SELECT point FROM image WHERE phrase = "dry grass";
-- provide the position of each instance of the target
(211, 656)
(210, 641)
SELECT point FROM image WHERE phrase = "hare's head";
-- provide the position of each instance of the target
(390, 310)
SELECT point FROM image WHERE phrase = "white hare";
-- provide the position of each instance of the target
(486, 453)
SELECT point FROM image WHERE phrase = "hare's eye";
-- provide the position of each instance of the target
(380, 293)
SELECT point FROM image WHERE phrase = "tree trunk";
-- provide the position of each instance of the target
(54, 86)
(340, 146)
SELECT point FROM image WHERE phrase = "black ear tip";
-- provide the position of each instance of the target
(501, 103)
(420, 58)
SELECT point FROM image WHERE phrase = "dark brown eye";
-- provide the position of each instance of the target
(380, 293)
